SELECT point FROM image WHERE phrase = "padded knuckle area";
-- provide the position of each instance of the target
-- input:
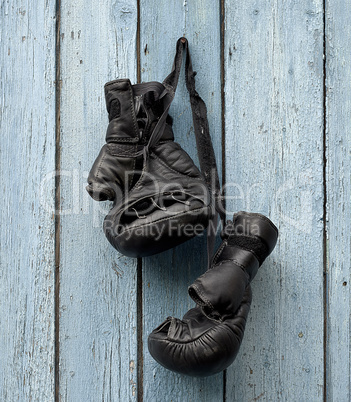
(196, 346)
(175, 157)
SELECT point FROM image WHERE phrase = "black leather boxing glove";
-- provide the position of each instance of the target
(208, 338)
(156, 193)
(161, 198)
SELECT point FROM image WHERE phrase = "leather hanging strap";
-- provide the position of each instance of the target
(204, 145)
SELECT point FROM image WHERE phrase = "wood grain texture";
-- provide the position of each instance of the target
(274, 165)
(27, 150)
(167, 275)
(273, 67)
(98, 338)
(338, 119)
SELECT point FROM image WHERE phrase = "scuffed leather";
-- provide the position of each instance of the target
(207, 339)
(154, 194)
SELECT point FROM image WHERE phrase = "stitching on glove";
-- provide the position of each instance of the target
(126, 139)
(235, 262)
(204, 298)
(219, 252)
(160, 220)
(134, 163)
(98, 169)
(135, 123)
(121, 150)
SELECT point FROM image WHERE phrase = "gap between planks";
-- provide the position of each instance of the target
(325, 267)
(57, 201)
(222, 34)
(140, 349)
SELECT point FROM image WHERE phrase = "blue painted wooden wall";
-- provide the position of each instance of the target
(74, 314)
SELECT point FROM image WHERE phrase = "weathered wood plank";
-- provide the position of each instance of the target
(274, 147)
(167, 275)
(98, 339)
(338, 118)
(27, 164)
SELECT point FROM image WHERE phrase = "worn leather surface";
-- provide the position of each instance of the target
(158, 193)
(207, 339)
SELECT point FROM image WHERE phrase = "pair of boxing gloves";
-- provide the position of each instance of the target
(207, 339)
(138, 162)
